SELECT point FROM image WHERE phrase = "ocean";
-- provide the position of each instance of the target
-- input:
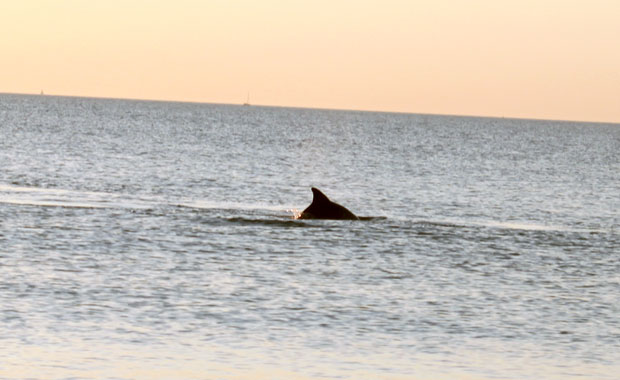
(158, 240)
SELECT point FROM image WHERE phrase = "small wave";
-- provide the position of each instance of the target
(214, 205)
(43, 203)
(372, 218)
(508, 226)
(292, 223)
(426, 223)
(52, 197)
(524, 226)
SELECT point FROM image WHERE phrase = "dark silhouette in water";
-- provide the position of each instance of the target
(322, 208)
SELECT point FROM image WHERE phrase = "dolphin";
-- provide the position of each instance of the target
(322, 208)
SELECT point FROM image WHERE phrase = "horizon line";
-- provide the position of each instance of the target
(308, 108)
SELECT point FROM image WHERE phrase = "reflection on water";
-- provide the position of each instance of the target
(195, 360)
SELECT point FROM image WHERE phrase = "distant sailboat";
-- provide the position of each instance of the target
(247, 102)
(42, 92)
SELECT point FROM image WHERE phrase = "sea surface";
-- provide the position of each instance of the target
(158, 240)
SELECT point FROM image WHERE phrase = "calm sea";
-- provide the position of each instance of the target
(155, 240)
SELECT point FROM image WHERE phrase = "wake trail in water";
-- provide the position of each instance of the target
(251, 213)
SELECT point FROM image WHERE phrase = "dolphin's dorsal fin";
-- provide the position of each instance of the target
(318, 197)
(322, 208)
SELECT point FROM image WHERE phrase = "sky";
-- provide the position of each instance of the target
(543, 59)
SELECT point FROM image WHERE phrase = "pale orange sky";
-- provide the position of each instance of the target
(547, 59)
